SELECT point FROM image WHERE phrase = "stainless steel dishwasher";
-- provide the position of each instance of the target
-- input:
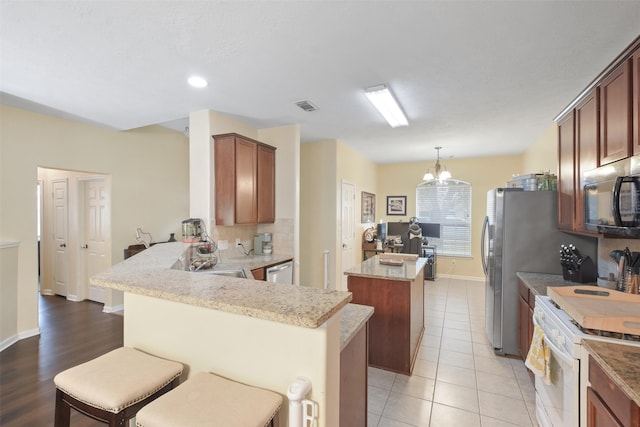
(281, 273)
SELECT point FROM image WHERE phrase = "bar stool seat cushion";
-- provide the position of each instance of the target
(118, 379)
(209, 400)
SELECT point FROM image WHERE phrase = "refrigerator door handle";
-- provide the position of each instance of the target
(485, 227)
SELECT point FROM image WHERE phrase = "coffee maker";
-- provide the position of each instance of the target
(191, 230)
(262, 244)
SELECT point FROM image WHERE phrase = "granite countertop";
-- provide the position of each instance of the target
(371, 267)
(621, 362)
(149, 273)
(354, 316)
(538, 282)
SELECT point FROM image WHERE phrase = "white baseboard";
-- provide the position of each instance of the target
(30, 333)
(73, 298)
(455, 276)
(113, 309)
(20, 336)
(8, 342)
(48, 292)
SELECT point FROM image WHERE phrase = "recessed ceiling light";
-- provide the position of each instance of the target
(198, 82)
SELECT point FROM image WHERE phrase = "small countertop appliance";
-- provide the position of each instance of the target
(262, 244)
(192, 230)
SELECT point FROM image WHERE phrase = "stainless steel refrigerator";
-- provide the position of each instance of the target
(519, 235)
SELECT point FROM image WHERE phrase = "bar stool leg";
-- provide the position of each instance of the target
(62, 412)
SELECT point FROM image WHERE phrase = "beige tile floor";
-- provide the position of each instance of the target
(457, 379)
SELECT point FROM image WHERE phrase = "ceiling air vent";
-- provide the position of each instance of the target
(306, 106)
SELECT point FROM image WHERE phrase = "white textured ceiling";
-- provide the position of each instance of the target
(478, 78)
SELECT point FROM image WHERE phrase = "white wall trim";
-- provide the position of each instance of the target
(73, 298)
(28, 333)
(8, 342)
(113, 309)
(20, 336)
(455, 276)
(9, 245)
(48, 292)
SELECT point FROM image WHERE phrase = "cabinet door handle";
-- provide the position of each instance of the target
(64, 245)
(84, 246)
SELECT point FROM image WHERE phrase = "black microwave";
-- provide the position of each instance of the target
(612, 198)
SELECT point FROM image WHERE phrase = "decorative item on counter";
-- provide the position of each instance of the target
(205, 257)
(575, 267)
(172, 237)
(144, 238)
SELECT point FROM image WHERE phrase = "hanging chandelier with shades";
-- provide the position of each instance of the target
(440, 174)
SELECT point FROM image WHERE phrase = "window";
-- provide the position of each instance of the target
(447, 203)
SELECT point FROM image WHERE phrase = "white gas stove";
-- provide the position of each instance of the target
(559, 403)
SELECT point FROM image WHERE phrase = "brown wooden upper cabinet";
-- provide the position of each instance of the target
(602, 125)
(616, 114)
(636, 102)
(566, 172)
(244, 180)
(587, 147)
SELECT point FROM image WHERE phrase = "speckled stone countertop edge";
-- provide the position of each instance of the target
(354, 316)
(148, 273)
(624, 373)
(371, 268)
(539, 282)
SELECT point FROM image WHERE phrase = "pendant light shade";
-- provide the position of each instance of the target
(440, 174)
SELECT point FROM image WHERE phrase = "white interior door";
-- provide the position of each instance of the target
(347, 226)
(60, 235)
(97, 231)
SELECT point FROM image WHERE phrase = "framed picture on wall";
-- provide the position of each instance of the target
(368, 207)
(396, 205)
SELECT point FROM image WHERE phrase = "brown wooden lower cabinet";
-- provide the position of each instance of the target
(598, 413)
(397, 324)
(259, 274)
(607, 404)
(353, 380)
(526, 304)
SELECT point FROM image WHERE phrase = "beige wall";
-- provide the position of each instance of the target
(318, 212)
(149, 178)
(324, 165)
(542, 156)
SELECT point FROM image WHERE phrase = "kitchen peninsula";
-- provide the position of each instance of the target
(397, 294)
(258, 333)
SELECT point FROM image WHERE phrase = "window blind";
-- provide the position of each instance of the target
(447, 203)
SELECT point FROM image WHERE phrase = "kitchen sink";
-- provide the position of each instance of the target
(190, 261)
(231, 273)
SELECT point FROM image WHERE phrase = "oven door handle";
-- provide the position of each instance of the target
(557, 351)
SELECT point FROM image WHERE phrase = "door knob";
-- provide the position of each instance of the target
(64, 245)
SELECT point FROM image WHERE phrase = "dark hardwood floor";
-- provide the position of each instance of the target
(71, 333)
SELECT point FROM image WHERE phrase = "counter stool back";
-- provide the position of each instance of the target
(113, 387)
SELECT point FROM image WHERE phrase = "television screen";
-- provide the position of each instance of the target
(430, 230)
(397, 229)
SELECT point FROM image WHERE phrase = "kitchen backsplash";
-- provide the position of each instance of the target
(282, 231)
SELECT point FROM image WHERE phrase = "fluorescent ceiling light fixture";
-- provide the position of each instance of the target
(385, 103)
(197, 82)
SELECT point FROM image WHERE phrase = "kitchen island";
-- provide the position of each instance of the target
(258, 333)
(397, 294)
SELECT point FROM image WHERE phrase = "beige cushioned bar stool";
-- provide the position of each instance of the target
(209, 400)
(113, 387)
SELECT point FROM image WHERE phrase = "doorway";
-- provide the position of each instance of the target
(347, 229)
(75, 239)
